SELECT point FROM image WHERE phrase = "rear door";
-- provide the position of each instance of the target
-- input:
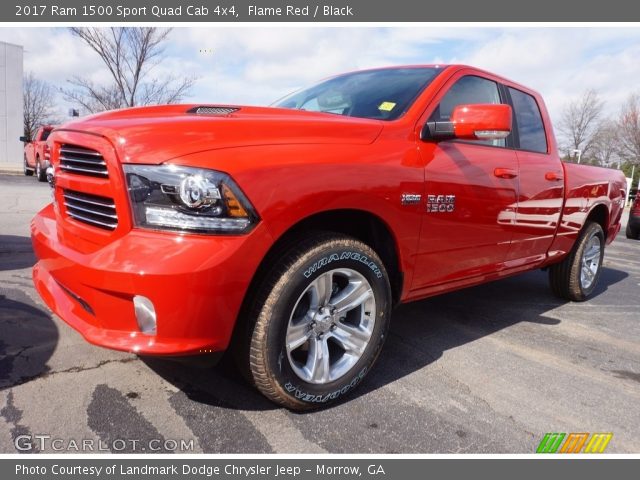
(541, 181)
(469, 188)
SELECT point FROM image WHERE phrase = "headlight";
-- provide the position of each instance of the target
(188, 199)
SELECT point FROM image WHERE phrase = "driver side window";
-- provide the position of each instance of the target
(469, 90)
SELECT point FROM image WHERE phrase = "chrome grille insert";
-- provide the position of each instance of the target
(91, 209)
(82, 161)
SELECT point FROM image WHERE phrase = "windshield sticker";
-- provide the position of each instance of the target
(386, 106)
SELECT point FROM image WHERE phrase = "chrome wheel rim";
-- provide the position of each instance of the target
(38, 169)
(330, 326)
(590, 261)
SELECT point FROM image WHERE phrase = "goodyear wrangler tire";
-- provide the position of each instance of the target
(575, 277)
(322, 318)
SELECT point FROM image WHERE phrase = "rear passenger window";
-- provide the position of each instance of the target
(530, 125)
(468, 90)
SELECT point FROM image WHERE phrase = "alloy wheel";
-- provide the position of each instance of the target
(330, 326)
(590, 261)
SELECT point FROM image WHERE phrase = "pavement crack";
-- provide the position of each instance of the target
(100, 364)
(51, 373)
(626, 375)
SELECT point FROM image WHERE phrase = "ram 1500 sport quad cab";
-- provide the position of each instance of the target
(286, 234)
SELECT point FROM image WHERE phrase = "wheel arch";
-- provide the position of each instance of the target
(600, 214)
(360, 224)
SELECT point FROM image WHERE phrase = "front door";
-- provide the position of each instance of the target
(470, 189)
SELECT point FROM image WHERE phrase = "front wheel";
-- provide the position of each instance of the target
(321, 319)
(41, 174)
(577, 275)
(27, 171)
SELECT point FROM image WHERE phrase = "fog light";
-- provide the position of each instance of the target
(145, 314)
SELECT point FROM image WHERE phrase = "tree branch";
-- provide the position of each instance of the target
(129, 54)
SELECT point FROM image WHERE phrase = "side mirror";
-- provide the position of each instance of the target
(24, 139)
(472, 122)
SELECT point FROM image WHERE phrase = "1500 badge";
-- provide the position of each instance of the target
(441, 203)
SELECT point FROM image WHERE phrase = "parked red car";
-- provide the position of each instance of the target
(287, 234)
(36, 153)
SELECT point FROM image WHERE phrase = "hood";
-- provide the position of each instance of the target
(154, 135)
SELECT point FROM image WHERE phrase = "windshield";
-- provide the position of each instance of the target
(377, 94)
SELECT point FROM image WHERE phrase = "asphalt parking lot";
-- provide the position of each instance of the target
(489, 369)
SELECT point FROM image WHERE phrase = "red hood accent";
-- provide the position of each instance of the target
(157, 134)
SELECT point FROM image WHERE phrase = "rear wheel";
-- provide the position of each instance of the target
(631, 233)
(321, 318)
(577, 275)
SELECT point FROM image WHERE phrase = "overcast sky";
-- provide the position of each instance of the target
(251, 65)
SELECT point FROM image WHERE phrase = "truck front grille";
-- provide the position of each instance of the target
(91, 209)
(82, 161)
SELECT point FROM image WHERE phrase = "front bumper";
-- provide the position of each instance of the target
(197, 284)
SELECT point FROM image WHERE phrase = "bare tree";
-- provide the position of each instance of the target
(629, 129)
(129, 53)
(605, 147)
(579, 121)
(38, 103)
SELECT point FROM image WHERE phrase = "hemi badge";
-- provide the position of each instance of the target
(410, 198)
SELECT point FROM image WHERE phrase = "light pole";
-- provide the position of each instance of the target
(577, 153)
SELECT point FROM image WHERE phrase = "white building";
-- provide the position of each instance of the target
(11, 120)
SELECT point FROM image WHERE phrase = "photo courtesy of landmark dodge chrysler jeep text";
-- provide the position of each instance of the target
(287, 234)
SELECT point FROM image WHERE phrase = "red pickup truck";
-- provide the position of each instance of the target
(36, 153)
(287, 234)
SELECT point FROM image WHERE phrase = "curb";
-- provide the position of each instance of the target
(11, 171)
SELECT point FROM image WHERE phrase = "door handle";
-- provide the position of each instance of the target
(553, 176)
(505, 173)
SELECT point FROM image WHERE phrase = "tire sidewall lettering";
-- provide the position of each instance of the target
(344, 255)
(300, 394)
